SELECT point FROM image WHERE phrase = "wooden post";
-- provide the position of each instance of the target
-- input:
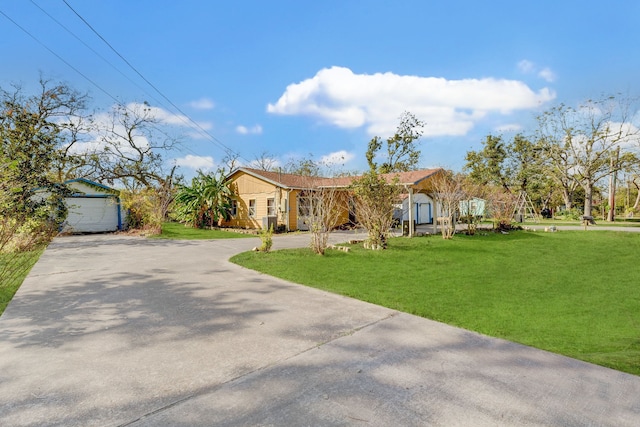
(411, 230)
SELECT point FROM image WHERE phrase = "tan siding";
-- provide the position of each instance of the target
(247, 187)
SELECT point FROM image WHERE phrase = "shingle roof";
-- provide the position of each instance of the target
(287, 180)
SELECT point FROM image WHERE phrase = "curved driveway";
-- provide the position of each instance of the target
(123, 331)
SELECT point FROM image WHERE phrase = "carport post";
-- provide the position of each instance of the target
(411, 230)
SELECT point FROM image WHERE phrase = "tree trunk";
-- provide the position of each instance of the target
(588, 198)
(568, 203)
(612, 186)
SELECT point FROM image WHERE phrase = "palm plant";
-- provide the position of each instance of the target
(206, 201)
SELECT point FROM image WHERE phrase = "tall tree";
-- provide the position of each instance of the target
(34, 133)
(489, 165)
(517, 165)
(401, 152)
(579, 142)
(304, 166)
(130, 147)
(374, 197)
(37, 130)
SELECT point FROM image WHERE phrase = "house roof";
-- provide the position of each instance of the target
(284, 180)
(292, 181)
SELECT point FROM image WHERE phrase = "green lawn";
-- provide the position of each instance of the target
(13, 270)
(177, 231)
(633, 222)
(574, 293)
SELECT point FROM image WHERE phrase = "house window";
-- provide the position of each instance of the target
(233, 210)
(252, 208)
(271, 207)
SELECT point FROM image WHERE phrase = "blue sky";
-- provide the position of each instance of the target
(294, 79)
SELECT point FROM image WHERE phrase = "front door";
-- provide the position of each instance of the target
(304, 212)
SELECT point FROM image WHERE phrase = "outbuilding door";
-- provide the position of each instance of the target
(423, 213)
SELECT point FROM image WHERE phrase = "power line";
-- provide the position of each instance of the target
(93, 50)
(213, 138)
(58, 56)
(116, 100)
(110, 64)
(184, 118)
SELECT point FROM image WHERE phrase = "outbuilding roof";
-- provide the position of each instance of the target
(93, 184)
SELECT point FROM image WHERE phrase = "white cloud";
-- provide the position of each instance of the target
(202, 104)
(547, 75)
(448, 107)
(337, 158)
(190, 161)
(160, 114)
(255, 130)
(623, 134)
(526, 66)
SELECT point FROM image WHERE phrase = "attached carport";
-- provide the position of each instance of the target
(418, 182)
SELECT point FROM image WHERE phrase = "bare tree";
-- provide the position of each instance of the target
(501, 205)
(448, 192)
(265, 161)
(128, 150)
(579, 142)
(323, 206)
(231, 161)
(130, 147)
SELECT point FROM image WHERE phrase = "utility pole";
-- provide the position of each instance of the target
(612, 185)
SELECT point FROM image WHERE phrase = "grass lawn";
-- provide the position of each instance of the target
(13, 270)
(632, 222)
(177, 231)
(574, 293)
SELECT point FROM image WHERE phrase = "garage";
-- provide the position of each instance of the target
(92, 208)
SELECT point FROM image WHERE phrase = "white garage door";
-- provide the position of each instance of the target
(92, 214)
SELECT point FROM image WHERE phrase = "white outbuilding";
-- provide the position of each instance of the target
(92, 208)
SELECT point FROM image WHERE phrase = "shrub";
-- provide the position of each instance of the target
(266, 235)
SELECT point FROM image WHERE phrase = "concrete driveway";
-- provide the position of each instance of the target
(123, 331)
